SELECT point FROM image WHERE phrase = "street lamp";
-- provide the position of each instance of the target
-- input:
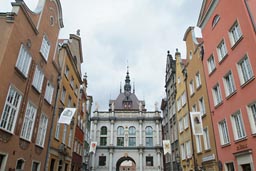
(178, 161)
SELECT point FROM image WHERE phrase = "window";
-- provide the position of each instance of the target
(188, 149)
(183, 99)
(149, 161)
(149, 136)
(57, 132)
(245, 70)
(198, 80)
(64, 134)
(238, 126)
(132, 136)
(223, 131)
(183, 152)
(52, 164)
(28, 123)
(66, 71)
(211, 64)
(3, 159)
(178, 80)
(20, 164)
(60, 165)
(102, 160)
(45, 47)
(222, 50)
(198, 144)
(215, 20)
(10, 110)
(35, 166)
(191, 87)
(63, 94)
(103, 136)
(190, 55)
(49, 92)
(206, 137)
(38, 79)
(229, 83)
(23, 61)
(185, 119)
(42, 129)
(70, 136)
(72, 82)
(216, 95)
(69, 101)
(202, 106)
(230, 167)
(194, 108)
(120, 136)
(235, 33)
(181, 125)
(252, 116)
(178, 103)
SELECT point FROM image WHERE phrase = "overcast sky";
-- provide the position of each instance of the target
(117, 33)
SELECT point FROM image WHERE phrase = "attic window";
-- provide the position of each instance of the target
(215, 20)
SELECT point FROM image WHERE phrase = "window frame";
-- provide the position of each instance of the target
(252, 116)
(229, 83)
(191, 87)
(198, 80)
(206, 138)
(149, 136)
(248, 70)
(45, 47)
(49, 90)
(216, 94)
(23, 60)
(42, 129)
(149, 161)
(201, 104)
(29, 118)
(235, 125)
(102, 160)
(222, 50)
(211, 64)
(38, 79)
(223, 132)
(199, 148)
(235, 33)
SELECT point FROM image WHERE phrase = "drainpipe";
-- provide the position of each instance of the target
(51, 129)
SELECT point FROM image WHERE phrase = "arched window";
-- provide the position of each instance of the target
(103, 136)
(120, 136)
(20, 164)
(132, 136)
(215, 20)
(149, 136)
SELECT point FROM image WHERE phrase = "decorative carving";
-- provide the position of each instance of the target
(4, 136)
(23, 144)
(38, 150)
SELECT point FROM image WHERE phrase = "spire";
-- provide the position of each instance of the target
(127, 86)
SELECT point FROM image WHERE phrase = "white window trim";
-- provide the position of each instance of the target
(35, 161)
(221, 132)
(234, 127)
(217, 95)
(49, 92)
(251, 119)
(198, 80)
(41, 134)
(227, 90)
(210, 69)
(206, 137)
(198, 143)
(202, 105)
(231, 36)
(4, 162)
(45, 47)
(17, 109)
(38, 79)
(27, 131)
(24, 65)
(222, 50)
(240, 72)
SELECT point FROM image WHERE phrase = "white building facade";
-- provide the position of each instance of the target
(127, 132)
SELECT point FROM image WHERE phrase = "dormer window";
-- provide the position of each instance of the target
(215, 20)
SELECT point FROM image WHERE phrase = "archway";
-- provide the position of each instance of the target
(126, 163)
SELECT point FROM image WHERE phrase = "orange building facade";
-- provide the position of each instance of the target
(229, 62)
(28, 83)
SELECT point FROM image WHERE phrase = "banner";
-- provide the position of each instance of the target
(67, 115)
(196, 122)
(93, 147)
(167, 146)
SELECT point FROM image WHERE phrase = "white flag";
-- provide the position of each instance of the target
(93, 147)
(67, 115)
(196, 121)
(167, 146)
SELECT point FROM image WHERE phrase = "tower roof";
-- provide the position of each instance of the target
(127, 100)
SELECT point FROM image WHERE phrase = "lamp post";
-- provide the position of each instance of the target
(178, 161)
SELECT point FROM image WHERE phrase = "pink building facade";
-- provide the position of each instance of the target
(229, 52)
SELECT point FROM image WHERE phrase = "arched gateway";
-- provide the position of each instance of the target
(125, 163)
(127, 132)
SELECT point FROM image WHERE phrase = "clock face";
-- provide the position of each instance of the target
(35, 5)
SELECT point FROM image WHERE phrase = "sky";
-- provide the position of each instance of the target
(120, 33)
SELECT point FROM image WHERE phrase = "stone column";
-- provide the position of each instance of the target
(112, 133)
(110, 160)
(140, 123)
(157, 133)
(141, 159)
(159, 160)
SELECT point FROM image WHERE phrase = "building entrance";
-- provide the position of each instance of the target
(126, 164)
